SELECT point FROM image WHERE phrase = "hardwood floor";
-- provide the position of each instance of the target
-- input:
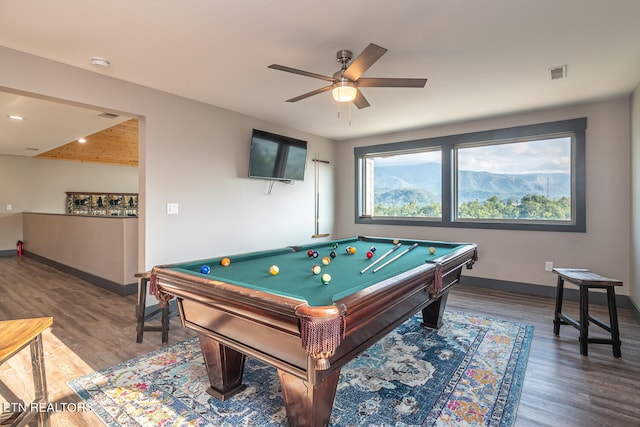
(94, 329)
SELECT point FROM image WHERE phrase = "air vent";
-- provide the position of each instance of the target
(556, 73)
(108, 115)
(32, 149)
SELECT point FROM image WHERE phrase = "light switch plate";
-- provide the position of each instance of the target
(172, 209)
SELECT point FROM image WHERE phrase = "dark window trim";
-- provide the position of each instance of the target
(576, 126)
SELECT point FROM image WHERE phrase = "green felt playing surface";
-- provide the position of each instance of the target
(296, 280)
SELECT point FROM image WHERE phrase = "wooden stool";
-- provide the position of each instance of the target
(142, 317)
(586, 280)
(14, 336)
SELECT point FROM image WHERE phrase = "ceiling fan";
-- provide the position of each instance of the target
(346, 82)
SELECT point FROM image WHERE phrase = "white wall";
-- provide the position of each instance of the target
(40, 185)
(203, 165)
(635, 183)
(519, 256)
(192, 154)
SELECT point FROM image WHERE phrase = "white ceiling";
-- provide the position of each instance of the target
(46, 124)
(481, 57)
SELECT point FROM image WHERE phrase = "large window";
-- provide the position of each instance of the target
(528, 177)
(404, 184)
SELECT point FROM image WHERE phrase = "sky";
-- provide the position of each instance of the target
(542, 156)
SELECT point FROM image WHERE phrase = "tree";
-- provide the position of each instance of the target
(529, 207)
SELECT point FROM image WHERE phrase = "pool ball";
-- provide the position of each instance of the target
(369, 255)
(273, 270)
(372, 249)
(225, 262)
(326, 260)
(432, 250)
(347, 249)
(332, 254)
(205, 269)
(315, 254)
(310, 253)
(334, 246)
(352, 250)
(316, 269)
(325, 279)
(396, 241)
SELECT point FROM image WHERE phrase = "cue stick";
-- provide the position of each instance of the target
(397, 256)
(382, 257)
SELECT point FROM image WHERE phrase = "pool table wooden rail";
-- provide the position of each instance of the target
(268, 324)
(233, 321)
(372, 313)
(264, 327)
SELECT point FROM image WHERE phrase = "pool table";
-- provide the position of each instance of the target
(303, 327)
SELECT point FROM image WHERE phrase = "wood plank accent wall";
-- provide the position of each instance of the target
(117, 145)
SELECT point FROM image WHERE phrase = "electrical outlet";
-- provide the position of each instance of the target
(9, 207)
(548, 266)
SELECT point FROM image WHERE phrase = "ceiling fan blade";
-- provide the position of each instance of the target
(366, 59)
(360, 101)
(301, 72)
(390, 82)
(308, 94)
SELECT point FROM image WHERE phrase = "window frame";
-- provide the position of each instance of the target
(574, 127)
(365, 158)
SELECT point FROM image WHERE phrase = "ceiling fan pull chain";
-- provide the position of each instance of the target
(349, 114)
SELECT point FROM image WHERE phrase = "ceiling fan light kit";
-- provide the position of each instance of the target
(344, 91)
(345, 82)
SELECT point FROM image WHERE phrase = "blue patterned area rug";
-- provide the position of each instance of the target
(468, 373)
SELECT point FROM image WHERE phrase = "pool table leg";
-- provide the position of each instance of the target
(224, 367)
(432, 314)
(307, 404)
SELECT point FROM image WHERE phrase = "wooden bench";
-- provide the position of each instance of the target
(586, 280)
(14, 336)
(142, 316)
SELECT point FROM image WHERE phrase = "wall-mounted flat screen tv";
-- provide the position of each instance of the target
(277, 157)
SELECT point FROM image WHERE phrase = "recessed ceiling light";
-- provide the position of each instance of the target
(82, 140)
(98, 62)
(15, 117)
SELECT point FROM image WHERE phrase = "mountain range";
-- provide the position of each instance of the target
(421, 183)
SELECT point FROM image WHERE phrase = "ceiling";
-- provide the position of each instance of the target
(117, 145)
(47, 124)
(481, 58)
